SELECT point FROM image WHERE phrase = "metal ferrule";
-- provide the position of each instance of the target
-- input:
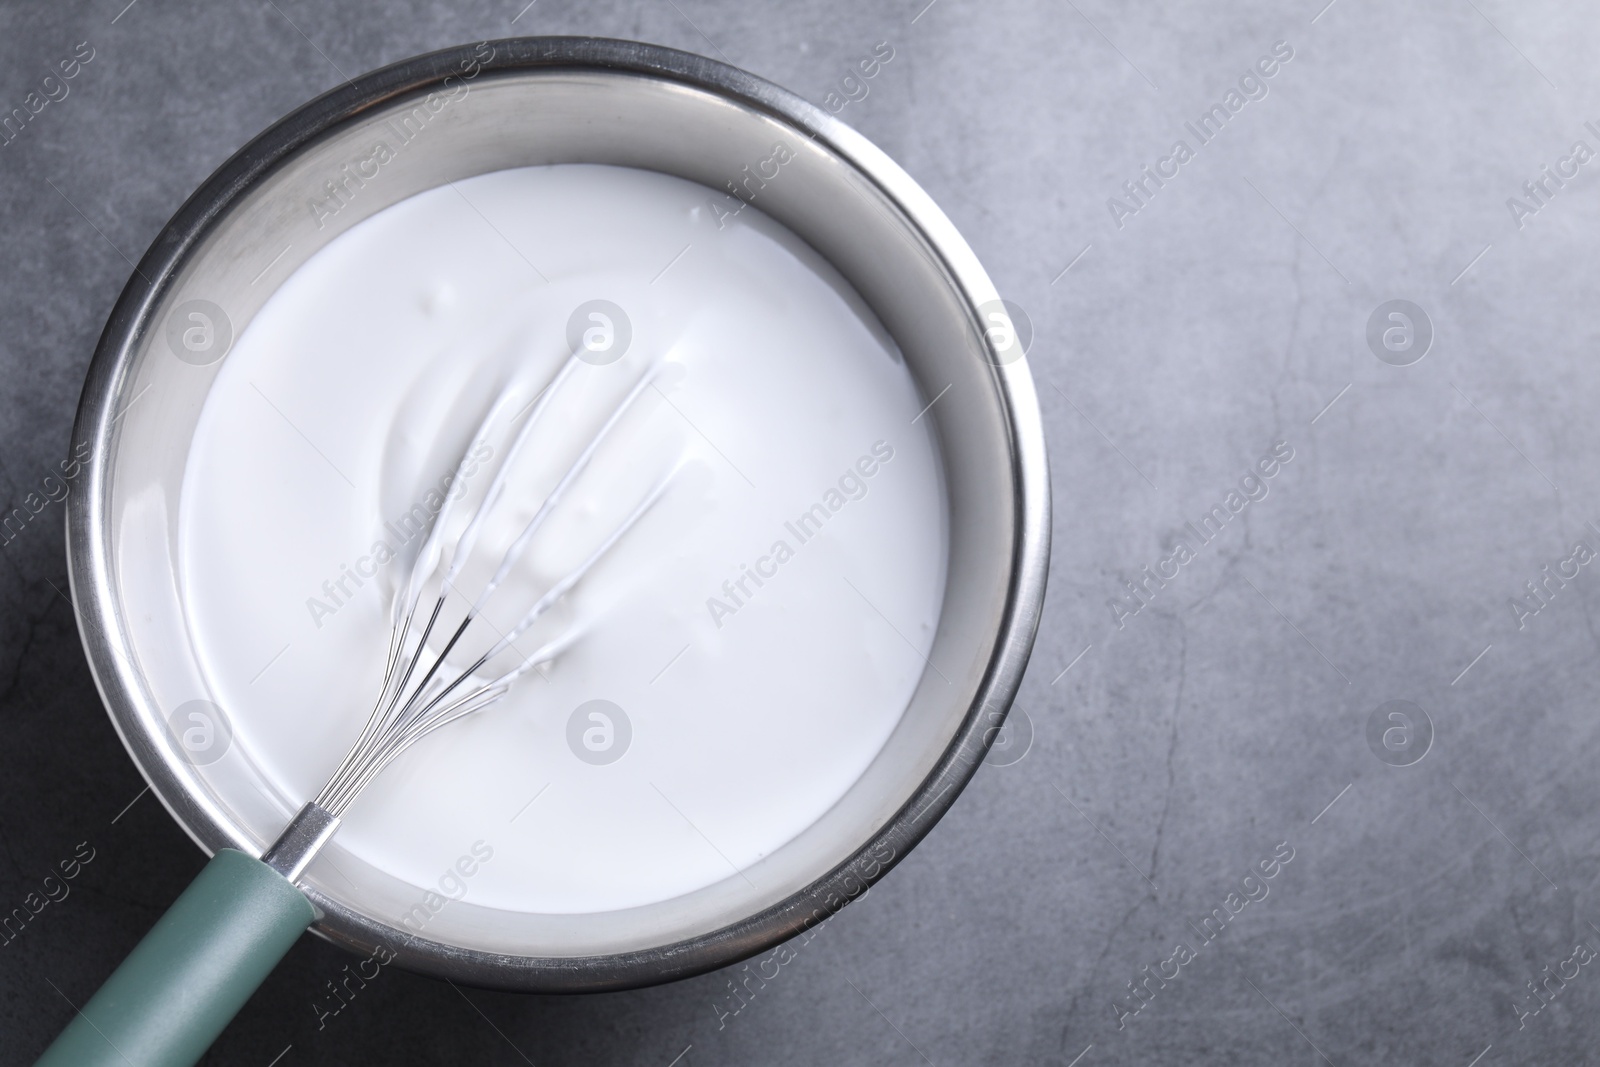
(300, 841)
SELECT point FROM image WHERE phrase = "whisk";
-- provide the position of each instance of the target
(190, 975)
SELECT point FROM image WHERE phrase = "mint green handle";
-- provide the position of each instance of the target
(192, 972)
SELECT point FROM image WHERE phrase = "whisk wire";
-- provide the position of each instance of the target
(405, 712)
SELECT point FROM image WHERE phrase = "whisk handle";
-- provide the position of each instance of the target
(192, 973)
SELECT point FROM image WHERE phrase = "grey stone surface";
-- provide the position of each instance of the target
(1186, 743)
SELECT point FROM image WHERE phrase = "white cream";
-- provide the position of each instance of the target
(753, 707)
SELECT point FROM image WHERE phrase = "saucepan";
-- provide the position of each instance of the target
(487, 107)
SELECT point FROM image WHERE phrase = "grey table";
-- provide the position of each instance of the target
(1189, 320)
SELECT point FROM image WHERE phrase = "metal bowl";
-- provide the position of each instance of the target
(521, 102)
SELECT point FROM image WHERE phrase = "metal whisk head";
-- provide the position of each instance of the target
(431, 677)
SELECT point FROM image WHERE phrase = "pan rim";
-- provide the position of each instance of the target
(90, 569)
